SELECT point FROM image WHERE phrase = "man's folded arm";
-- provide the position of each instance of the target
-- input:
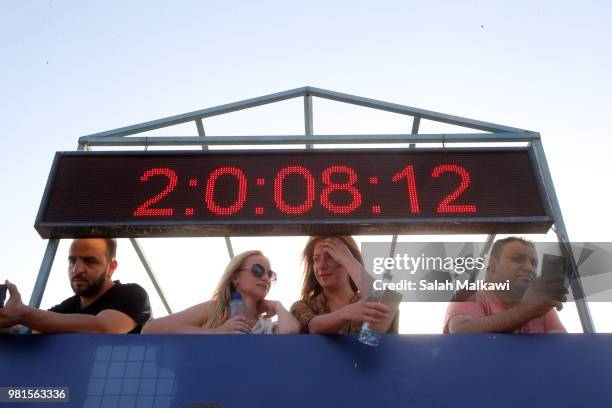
(107, 321)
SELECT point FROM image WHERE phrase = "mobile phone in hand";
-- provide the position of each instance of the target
(2, 294)
(554, 266)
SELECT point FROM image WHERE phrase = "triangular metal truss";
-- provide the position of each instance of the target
(117, 137)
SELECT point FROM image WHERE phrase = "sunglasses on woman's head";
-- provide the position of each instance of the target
(258, 271)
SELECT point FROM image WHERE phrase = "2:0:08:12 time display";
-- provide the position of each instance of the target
(101, 187)
(339, 194)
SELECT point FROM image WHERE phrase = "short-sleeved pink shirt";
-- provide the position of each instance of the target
(485, 304)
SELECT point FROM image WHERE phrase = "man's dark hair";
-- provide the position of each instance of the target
(111, 248)
(499, 245)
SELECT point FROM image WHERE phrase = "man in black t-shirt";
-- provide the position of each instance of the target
(100, 305)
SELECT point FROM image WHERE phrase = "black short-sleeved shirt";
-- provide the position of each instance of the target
(130, 299)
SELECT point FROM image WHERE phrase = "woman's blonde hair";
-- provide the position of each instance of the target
(310, 285)
(223, 292)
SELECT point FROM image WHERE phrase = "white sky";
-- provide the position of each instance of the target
(73, 68)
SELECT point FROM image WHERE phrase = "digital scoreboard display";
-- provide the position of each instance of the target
(293, 192)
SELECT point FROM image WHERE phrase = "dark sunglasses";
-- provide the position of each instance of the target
(258, 271)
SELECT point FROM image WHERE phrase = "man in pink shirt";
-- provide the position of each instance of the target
(527, 307)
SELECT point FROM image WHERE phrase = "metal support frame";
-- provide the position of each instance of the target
(305, 91)
(416, 122)
(43, 273)
(496, 134)
(519, 136)
(308, 125)
(576, 284)
(201, 132)
(230, 248)
(147, 266)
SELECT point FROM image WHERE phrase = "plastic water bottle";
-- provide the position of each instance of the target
(367, 335)
(237, 307)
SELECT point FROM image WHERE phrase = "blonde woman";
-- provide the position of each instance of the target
(334, 282)
(249, 274)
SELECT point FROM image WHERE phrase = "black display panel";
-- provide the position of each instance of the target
(289, 192)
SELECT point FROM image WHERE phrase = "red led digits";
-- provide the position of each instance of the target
(278, 190)
(209, 195)
(408, 173)
(347, 186)
(445, 206)
(143, 210)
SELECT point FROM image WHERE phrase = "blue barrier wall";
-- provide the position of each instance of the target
(313, 371)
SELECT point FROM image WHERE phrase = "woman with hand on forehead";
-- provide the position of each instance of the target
(248, 274)
(334, 281)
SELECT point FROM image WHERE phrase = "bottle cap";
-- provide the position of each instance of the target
(236, 296)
